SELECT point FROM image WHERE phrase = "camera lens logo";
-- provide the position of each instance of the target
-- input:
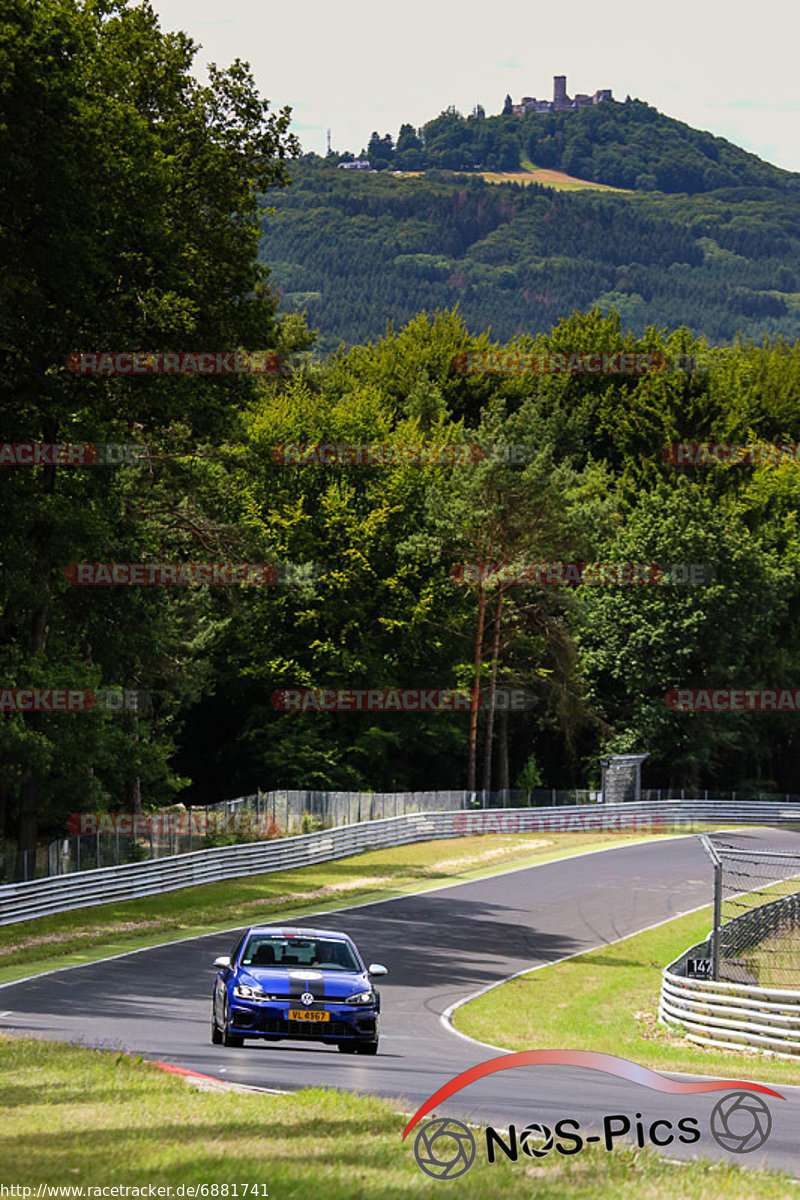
(444, 1149)
(536, 1140)
(741, 1122)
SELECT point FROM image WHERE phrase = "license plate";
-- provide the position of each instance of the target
(305, 1014)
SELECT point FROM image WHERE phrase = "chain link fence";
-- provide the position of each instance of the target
(756, 933)
(107, 841)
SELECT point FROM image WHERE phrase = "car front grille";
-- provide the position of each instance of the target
(304, 1029)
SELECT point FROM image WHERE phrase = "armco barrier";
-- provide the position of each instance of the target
(730, 1015)
(735, 1015)
(88, 848)
(84, 889)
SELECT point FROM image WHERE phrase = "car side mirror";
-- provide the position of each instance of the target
(376, 969)
(222, 962)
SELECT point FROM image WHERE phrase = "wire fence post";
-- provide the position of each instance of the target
(711, 851)
(717, 919)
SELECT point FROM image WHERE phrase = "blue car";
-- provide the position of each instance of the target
(306, 984)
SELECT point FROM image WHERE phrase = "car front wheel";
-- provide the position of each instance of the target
(368, 1047)
(226, 1037)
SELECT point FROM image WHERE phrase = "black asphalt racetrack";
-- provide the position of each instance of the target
(439, 946)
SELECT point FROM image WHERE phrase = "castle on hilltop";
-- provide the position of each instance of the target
(561, 102)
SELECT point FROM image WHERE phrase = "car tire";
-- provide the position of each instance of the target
(368, 1047)
(216, 1035)
(346, 1047)
(226, 1037)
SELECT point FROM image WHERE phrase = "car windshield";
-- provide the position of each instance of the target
(271, 950)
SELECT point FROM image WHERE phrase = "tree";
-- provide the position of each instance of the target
(638, 643)
(497, 516)
(380, 151)
(408, 139)
(101, 118)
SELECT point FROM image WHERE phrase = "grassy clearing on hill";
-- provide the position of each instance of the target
(83, 1118)
(530, 174)
(549, 178)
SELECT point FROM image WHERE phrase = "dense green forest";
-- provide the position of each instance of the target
(156, 247)
(357, 251)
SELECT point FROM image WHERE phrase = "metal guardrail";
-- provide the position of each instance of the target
(296, 811)
(291, 811)
(174, 833)
(61, 893)
(733, 1014)
(730, 1015)
(84, 889)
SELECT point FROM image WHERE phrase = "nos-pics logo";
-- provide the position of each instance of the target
(446, 1148)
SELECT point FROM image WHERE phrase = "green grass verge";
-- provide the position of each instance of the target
(775, 962)
(87, 934)
(607, 1000)
(90, 1118)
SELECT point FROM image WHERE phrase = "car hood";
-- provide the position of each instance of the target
(294, 981)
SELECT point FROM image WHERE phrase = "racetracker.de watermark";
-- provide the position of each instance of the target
(189, 574)
(69, 454)
(376, 454)
(740, 454)
(417, 700)
(733, 699)
(593, 362)
(135, 1191)
(186, 362)
(589, 574)
(73, 700)
(394, 454)
(147, 825)
(593, 821)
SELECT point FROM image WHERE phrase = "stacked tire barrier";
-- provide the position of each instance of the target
(83, 889)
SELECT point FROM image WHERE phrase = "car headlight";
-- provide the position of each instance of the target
(367, 997)
(242, 992)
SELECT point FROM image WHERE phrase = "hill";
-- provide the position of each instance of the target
(357, 250)
(626, 145)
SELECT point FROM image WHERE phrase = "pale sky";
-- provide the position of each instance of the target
(723, 65)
